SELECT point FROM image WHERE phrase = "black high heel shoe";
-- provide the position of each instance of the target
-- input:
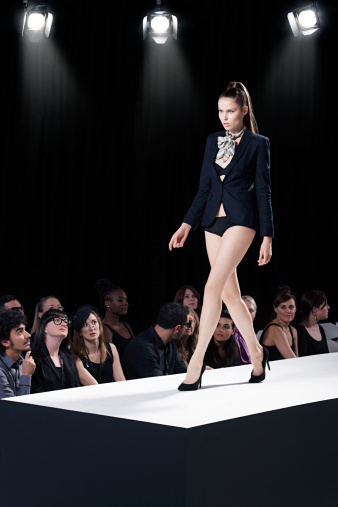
(195, 385)
(254, 379)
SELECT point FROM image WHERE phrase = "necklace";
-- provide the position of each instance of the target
(227, 145)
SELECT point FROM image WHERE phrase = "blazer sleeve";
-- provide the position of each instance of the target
(263, 189)
(196, 210)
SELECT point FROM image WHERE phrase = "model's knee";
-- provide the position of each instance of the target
(213, 288)
(231, 298)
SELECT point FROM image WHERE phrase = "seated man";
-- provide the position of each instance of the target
(153, 352)
(15, 372)
(9, 302)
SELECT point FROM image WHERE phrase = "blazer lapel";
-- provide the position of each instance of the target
(239, 152)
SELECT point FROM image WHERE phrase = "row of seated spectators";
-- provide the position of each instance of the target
(90, 349)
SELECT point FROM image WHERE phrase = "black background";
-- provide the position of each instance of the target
(103, 137)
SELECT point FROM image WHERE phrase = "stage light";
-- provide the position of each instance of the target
(159, 25)
(37, 22)
(304, 21)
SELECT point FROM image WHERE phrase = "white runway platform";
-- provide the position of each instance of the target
(144, 443)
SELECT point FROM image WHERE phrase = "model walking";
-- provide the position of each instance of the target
(233, 200)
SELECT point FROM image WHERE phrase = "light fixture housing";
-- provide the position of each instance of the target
(37, 22)
(160, 25)
(304, 21)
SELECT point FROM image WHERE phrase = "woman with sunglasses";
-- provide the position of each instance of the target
(55, 367)
(97, 362)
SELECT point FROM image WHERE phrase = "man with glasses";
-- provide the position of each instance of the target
(153, 352)
(9, 302)
(15, 371)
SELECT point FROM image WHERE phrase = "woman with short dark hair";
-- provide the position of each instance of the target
(279, 337)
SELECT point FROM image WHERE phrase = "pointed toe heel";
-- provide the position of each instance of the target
(195, 385)
(255, 379)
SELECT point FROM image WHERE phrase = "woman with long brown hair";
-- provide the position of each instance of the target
(96, 361)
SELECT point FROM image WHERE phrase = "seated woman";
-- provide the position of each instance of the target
(279, 337)
(55, 367)
(41, 307)
(187, 343)
(189, 296)
(96, 362)
(242, 346)
(313, 308)
(222, 350)
(114, 301)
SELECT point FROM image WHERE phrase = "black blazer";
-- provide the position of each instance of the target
(245, 191)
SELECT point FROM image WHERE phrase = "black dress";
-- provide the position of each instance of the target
(118, 340)
(274, 354)
(102, 372)
(308, 346)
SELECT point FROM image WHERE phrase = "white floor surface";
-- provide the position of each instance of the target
(225, 394)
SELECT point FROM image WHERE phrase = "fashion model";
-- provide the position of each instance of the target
(233, 200)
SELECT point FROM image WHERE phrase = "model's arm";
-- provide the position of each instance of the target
(263, 197)
(263, 188)
(117, 368)
(196, 210)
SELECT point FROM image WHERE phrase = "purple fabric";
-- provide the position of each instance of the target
(242, 347)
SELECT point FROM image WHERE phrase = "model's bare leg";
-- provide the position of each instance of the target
(225, 254)
(240, 314)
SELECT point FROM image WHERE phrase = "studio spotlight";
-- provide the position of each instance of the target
(160, 25)
(304, 21)
(37, 22)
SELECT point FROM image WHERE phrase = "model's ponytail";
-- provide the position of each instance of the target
(238, 92)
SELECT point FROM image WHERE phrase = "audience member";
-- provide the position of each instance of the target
(222, 350)
(189, 296)
(9, 302)
(97, 362)
(242, 346)
(313, 308)
(41, 307)
(187, 343)
(15, 372)
(279, 337)
(55, 367)
(153, 352)
(114, 301)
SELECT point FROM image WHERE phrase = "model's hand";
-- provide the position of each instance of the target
(28, 365)
(265, 252)
(180, 236)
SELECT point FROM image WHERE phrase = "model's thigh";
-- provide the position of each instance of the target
(226, 252)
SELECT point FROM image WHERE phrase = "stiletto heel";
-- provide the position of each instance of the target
(195, 385)
(254, 379)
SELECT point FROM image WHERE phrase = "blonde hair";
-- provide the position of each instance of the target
(251, 299)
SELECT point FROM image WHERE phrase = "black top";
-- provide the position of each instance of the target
(274, 354)
(147, 356)
(102, 372)
(118, 340)
(308, 346)
(47, 377)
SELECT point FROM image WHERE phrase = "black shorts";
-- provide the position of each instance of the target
(220, 224)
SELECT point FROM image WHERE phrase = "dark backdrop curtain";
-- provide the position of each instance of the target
(103, 137)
